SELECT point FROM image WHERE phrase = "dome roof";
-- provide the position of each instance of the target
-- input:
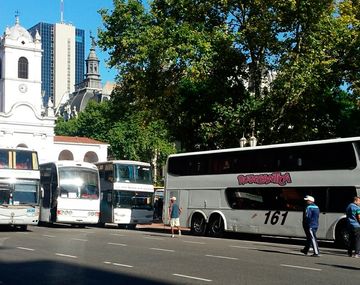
(17, 31)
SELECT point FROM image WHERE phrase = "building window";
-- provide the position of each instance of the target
(23, 66)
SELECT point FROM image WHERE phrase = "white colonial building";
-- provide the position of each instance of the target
(24, 121)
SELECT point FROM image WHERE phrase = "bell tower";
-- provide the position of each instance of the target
(20, 68)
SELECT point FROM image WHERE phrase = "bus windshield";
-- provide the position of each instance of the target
(23, 192)
(78, 183)
(132, 173)
(133, 200)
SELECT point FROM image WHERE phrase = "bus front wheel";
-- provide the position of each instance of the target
(216, 226)
(198, 225)
(23, 228)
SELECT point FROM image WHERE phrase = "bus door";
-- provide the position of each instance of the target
(106, 207)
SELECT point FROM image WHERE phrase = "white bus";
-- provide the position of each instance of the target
(126, 193)
(71, 193)
(260, 190)
(19, 187)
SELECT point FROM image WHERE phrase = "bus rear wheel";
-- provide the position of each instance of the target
(216, 226)
(198, 225)
(342, 235)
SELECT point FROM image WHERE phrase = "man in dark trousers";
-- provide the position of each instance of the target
(310, 225)
(353, 219)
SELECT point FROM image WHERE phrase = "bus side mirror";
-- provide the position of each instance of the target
(42, 192)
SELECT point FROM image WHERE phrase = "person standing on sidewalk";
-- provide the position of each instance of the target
(353, 220)
(174, 216)
(310, 225)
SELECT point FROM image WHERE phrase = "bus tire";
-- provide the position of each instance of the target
(342, 235)
(216, 226)
(23, 228)
(198, 225)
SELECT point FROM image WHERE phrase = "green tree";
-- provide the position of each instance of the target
(199, 67)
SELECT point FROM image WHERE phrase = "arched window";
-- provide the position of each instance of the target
(91, 156)
(66, 155)
(23, 68)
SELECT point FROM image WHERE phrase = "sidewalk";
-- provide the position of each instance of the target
(159, 227)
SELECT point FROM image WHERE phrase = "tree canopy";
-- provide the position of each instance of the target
(202, 74)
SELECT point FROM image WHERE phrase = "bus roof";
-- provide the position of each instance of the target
(60, 163)
(317, 142)
(132, 162)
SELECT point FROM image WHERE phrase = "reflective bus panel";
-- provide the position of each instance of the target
(19, 187)
(126, 192)
(261, 189)
(71, 193)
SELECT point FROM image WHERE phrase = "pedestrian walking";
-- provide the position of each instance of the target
(353, 221)
(174, 216)
(310, 225)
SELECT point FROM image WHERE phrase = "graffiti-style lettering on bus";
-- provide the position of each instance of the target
(274, 178)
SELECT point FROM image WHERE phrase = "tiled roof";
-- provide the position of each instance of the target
(79, 140)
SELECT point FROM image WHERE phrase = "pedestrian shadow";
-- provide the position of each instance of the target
(341, 266)
(278, 252)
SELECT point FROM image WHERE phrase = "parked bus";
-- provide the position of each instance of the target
(261, 189)
(19, 187)
(126, 193)
(71, 193)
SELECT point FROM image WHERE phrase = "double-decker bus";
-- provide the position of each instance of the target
(126, 193)
(71, 193)
(19, 187)
(261, 189)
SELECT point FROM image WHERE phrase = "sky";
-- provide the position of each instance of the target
(80, 13)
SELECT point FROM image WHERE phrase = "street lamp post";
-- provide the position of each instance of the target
(252, 141)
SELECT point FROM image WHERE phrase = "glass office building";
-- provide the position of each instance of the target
(51, 84)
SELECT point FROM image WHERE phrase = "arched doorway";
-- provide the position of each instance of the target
(91, 156)
(66, 155)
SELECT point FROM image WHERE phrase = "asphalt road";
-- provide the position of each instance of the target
(91, 255)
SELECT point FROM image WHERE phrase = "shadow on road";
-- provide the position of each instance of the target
(50, 272)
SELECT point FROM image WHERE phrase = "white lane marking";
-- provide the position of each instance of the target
(192, 277)
(118, 264)
(301, 267)
(197, 242)
(113, 243)
(244, 247)
(84, 232)
(162, 249)
(222, 257)
(155, 238)
(66, 255)
(79, 239)
(49, 236)
(25, 248)
(2, 240)
(118, 235)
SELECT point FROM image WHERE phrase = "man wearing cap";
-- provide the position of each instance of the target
(353, 219)
(310, 225)
(174, 216)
